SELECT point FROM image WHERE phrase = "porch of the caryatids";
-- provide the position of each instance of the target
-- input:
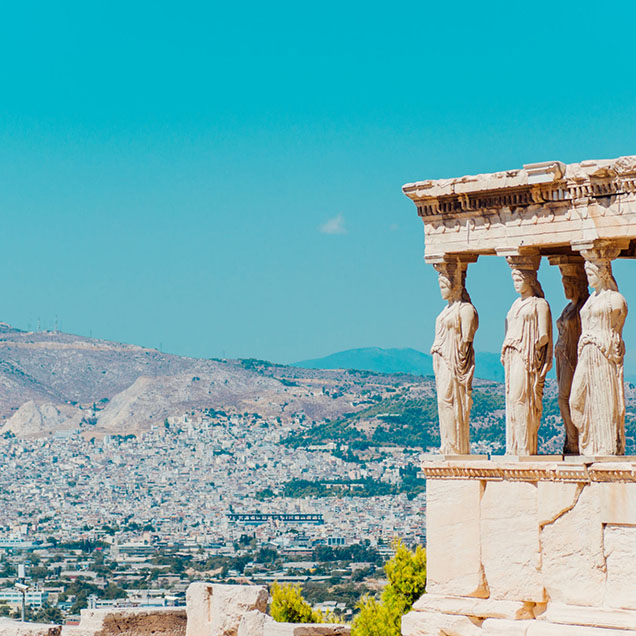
(526, 355)
(454, 356)
(597, 398)
(575, 288)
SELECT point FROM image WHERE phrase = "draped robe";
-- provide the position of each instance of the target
(597, 399)
(526, 366)
(454, 366)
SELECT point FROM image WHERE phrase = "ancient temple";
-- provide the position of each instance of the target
(524, 544)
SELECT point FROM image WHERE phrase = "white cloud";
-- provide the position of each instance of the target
(334, 226)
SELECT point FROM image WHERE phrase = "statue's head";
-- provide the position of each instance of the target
(452, 282)
(574, 281)
(525, 281)
(599, 274)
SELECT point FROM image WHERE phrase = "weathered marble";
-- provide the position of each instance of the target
(566, 348)
(495, 627)
(454, 358)
(214, 609)
(438, 624)
(556, 548)
(453, 518)
(9, 627)
(476, 607)
(307, 629)
(545, 206)
(597, 400)
(253, 623)
(511, 555)
(572, 550)
(217, 610)
(134, 621)
(527, 357)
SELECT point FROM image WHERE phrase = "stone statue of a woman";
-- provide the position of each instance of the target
(566, 348)
(597, 399)
(454, 359)
(527, 357)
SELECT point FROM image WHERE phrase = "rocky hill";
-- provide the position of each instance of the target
(52, 382)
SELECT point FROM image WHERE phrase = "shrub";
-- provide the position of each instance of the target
(406, 572)
(289, 606)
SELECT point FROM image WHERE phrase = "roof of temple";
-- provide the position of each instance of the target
(589, 171)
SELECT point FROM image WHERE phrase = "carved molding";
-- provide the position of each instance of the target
(547, 206)
(624, 471)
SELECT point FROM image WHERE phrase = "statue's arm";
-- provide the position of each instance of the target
(545, 324)
(468, 322)
(620, 313)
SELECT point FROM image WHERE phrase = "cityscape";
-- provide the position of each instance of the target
(131, 520)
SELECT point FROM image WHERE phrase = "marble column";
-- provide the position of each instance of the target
(597, 398)
(454, 356)
(526, 355)
(575, 288)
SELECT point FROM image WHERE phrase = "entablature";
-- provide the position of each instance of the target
(545, 207)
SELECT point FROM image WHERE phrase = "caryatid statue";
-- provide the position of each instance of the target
(526, 355)
(566, 349)
(454, 358)
(597, 399)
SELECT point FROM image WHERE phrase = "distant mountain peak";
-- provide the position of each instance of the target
(398, 360)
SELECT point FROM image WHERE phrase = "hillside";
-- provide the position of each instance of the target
(53, 383)
(378, 360)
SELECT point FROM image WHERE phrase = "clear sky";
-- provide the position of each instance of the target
(224, 179)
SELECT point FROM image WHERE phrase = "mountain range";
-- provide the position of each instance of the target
(52, 382)
(412, 361)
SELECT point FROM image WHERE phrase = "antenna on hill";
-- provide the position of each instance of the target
(56, 323)
(38, 324)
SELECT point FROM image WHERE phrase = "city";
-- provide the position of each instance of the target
(132, 520)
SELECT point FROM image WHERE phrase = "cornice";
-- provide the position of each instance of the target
(580, 472)
(544, 183)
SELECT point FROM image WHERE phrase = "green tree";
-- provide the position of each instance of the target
(374, 619)
(113, 591)
(289, 606)
(48, 614)
(406, 572)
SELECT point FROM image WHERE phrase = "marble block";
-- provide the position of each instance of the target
(452, 522)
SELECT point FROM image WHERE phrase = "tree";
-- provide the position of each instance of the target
(374, 619)
(289, 606)
(406, 572)
(48, 614)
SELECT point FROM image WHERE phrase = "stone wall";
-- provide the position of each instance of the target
(211, 610)
(141, 621)
(529, 547)
(240, 610)
(10, 627)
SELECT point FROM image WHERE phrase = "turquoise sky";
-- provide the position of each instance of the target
(222, 179)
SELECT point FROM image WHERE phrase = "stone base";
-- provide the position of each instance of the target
(530, 548)
(10, 627)
(119, 621)
(435, 615)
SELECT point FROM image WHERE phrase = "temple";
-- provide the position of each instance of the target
(525, 544)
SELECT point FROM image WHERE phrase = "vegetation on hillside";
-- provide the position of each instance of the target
(398, 420)
(289, 606)
(302, 488)
(406, 573)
